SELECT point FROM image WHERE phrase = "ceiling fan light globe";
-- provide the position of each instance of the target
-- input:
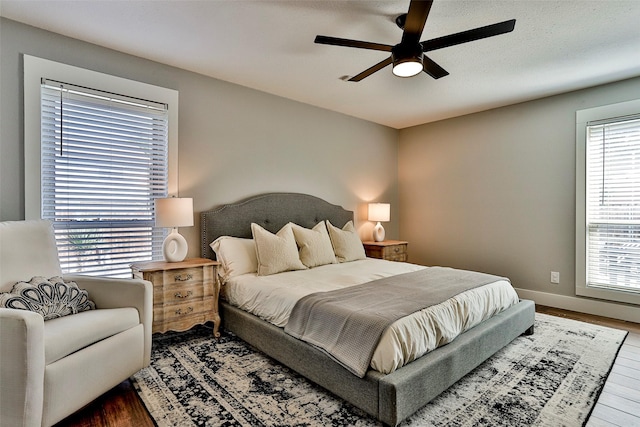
(407, 59)
(408, 68)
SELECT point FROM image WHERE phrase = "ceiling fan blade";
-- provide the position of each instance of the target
(432, 68)
(335, 41)
(366, 73)
(469, 35)
(416, 18)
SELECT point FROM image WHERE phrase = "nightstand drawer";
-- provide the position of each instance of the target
(396, 257)
(182, 316)
(177, 293)
(394, 251)
(181, 276)
(391, 250)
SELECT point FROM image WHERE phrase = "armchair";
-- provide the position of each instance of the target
(50, 369)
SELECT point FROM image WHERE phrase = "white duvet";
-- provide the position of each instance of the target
(272, 298)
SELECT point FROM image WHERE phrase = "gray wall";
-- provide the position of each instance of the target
(234, 142)
(492, 191)
(495, 191)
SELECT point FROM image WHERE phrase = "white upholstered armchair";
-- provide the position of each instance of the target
(50, 369)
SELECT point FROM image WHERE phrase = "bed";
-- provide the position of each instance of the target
(390, 397)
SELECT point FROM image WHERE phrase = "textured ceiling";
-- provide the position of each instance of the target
(557, 46)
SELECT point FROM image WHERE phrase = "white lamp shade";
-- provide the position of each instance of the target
(379, 211)
(174, 212)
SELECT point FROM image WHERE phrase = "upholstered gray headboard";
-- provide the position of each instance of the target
(271, 211)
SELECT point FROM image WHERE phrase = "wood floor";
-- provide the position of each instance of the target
(618, 405)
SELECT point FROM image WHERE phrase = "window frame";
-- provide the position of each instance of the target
(583, 117)
(35, 69)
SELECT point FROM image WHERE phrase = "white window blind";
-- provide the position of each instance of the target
(613, 203)
(103, 162)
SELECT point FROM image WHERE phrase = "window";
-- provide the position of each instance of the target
(103, 162)
(608, 223)
(103, 158)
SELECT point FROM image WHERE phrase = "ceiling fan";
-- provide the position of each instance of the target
(408, 57)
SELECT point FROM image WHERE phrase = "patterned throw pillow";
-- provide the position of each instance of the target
(52, 298)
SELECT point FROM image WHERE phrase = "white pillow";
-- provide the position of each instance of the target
(276, 252)
(236, 256)
(346, 242)
(315, 245)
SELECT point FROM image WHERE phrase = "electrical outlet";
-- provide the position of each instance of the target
(555, 277)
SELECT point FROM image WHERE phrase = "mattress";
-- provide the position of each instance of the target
(273, 297)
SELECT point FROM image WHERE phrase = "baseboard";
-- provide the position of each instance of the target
(583, 305)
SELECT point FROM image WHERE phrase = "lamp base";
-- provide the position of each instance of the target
(378, 232)
(174, 247)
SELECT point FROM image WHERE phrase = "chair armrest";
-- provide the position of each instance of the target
(21, 367)
(117, 293)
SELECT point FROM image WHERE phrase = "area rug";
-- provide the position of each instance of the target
(552, 378)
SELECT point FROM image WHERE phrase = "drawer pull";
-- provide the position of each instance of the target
(183, 278)
(179, 311)
(180, 295)
(396, 249)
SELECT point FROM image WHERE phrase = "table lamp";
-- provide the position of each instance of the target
(379, 212)
(174, 212)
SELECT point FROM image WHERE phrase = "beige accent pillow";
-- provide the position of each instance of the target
(346, 242)
(236, 256)
(276, 252)
(315, 245)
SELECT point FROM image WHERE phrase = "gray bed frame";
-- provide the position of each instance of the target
(392, 397)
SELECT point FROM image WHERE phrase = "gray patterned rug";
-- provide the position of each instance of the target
(552, 378)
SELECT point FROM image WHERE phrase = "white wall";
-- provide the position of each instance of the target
(234, 142)
(495, 191)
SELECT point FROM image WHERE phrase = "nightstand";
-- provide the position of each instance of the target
(392, 250)
(185, 293)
